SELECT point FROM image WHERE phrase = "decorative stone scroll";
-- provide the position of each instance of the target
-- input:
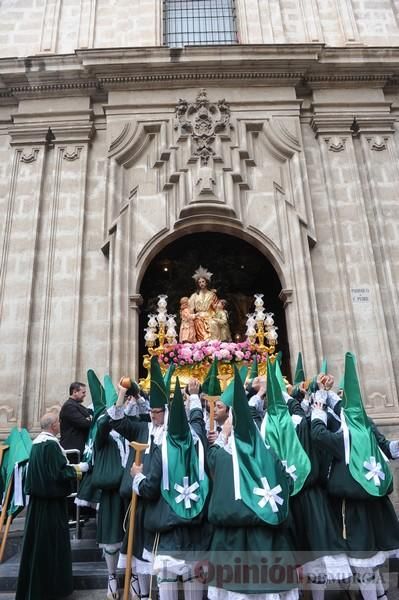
(377, 143)
(203, 120)
(336, 144)
(31, 157)
(72, 155)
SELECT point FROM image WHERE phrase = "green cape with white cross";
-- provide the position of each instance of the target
(259, 477)
(281, 435)
(185, 484)
(367, 463)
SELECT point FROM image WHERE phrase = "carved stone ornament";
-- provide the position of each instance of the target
(377, 143)
(203, 120)
(74, 155)
(31, 157)
(336, 144)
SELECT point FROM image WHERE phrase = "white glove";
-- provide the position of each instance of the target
(321, 396)
(394, 448)
(84, 467)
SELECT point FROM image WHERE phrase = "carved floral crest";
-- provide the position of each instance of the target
(203, 120)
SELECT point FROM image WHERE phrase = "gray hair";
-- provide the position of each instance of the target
(48, 420)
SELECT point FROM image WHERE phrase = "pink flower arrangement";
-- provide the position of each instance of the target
(206, 351)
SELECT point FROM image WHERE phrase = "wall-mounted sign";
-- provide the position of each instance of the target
(361, 295)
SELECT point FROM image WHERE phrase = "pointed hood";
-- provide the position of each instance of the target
(111, 395)
(19, 445)
(313, 385)
(367, 463)
(158, 394)
(211, 385)
(228, 394)
(98, 398)
(279, 376)
(341, 383)
(324, 367)
(254, 369)
(178, 426)
(259, 478)
(97, 393)
(299, 370)
(278, 430)
(167, 378)
(185, 484)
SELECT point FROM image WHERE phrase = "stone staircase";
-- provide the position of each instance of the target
(90, 573)
(89, 570)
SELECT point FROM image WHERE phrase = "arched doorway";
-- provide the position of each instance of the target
(239, 271)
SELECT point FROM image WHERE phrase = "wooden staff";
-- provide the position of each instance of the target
(211, 400)
(128, 570)
(4, 540)
(3, 448)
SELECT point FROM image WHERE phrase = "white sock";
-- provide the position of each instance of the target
(111, 559)
(144, 584)
(380, 587)
(112, 591)
(367, 584)
(193, 589)
(317, 594)
(168, 590)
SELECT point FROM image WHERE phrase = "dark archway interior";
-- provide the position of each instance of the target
(239, 271)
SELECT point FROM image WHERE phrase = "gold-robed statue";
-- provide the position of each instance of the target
(204, 316)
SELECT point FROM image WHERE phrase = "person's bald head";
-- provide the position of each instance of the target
(50, 422)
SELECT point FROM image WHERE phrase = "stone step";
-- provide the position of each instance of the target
(88, 566)
(87, 575)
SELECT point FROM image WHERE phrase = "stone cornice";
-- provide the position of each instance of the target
(92, 72)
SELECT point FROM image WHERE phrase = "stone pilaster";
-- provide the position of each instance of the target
(135, 302)
(17, 273)
(50, 357)
(349, 289)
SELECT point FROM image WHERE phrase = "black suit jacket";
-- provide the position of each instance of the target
(75, 421)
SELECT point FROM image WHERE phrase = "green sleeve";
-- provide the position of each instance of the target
(150, 487)
(295, 408)
(129, 427)
(103, 430)
(381, 439)
(327, 440)
(198, 424)
(211, 457)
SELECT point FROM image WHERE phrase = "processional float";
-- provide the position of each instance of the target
(195, 359)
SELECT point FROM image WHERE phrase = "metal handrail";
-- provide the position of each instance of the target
(77, 523)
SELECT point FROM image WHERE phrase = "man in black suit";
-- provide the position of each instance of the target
(75, 420)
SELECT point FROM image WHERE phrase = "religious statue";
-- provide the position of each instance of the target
(187, 327)
(220, 329)
(203, 304)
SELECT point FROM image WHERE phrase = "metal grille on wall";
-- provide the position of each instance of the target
(199, 22)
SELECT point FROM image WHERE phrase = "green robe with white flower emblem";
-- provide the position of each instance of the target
(243, 541)
(184, 538)
(368, 523)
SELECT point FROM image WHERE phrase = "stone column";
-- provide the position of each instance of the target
(53, 194)
(18, 262)
(347, 282)
(378, 159)
(135, 301)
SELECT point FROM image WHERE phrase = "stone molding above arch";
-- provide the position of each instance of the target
(208, 223)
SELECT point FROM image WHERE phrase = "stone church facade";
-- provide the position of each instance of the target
(114, 144)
